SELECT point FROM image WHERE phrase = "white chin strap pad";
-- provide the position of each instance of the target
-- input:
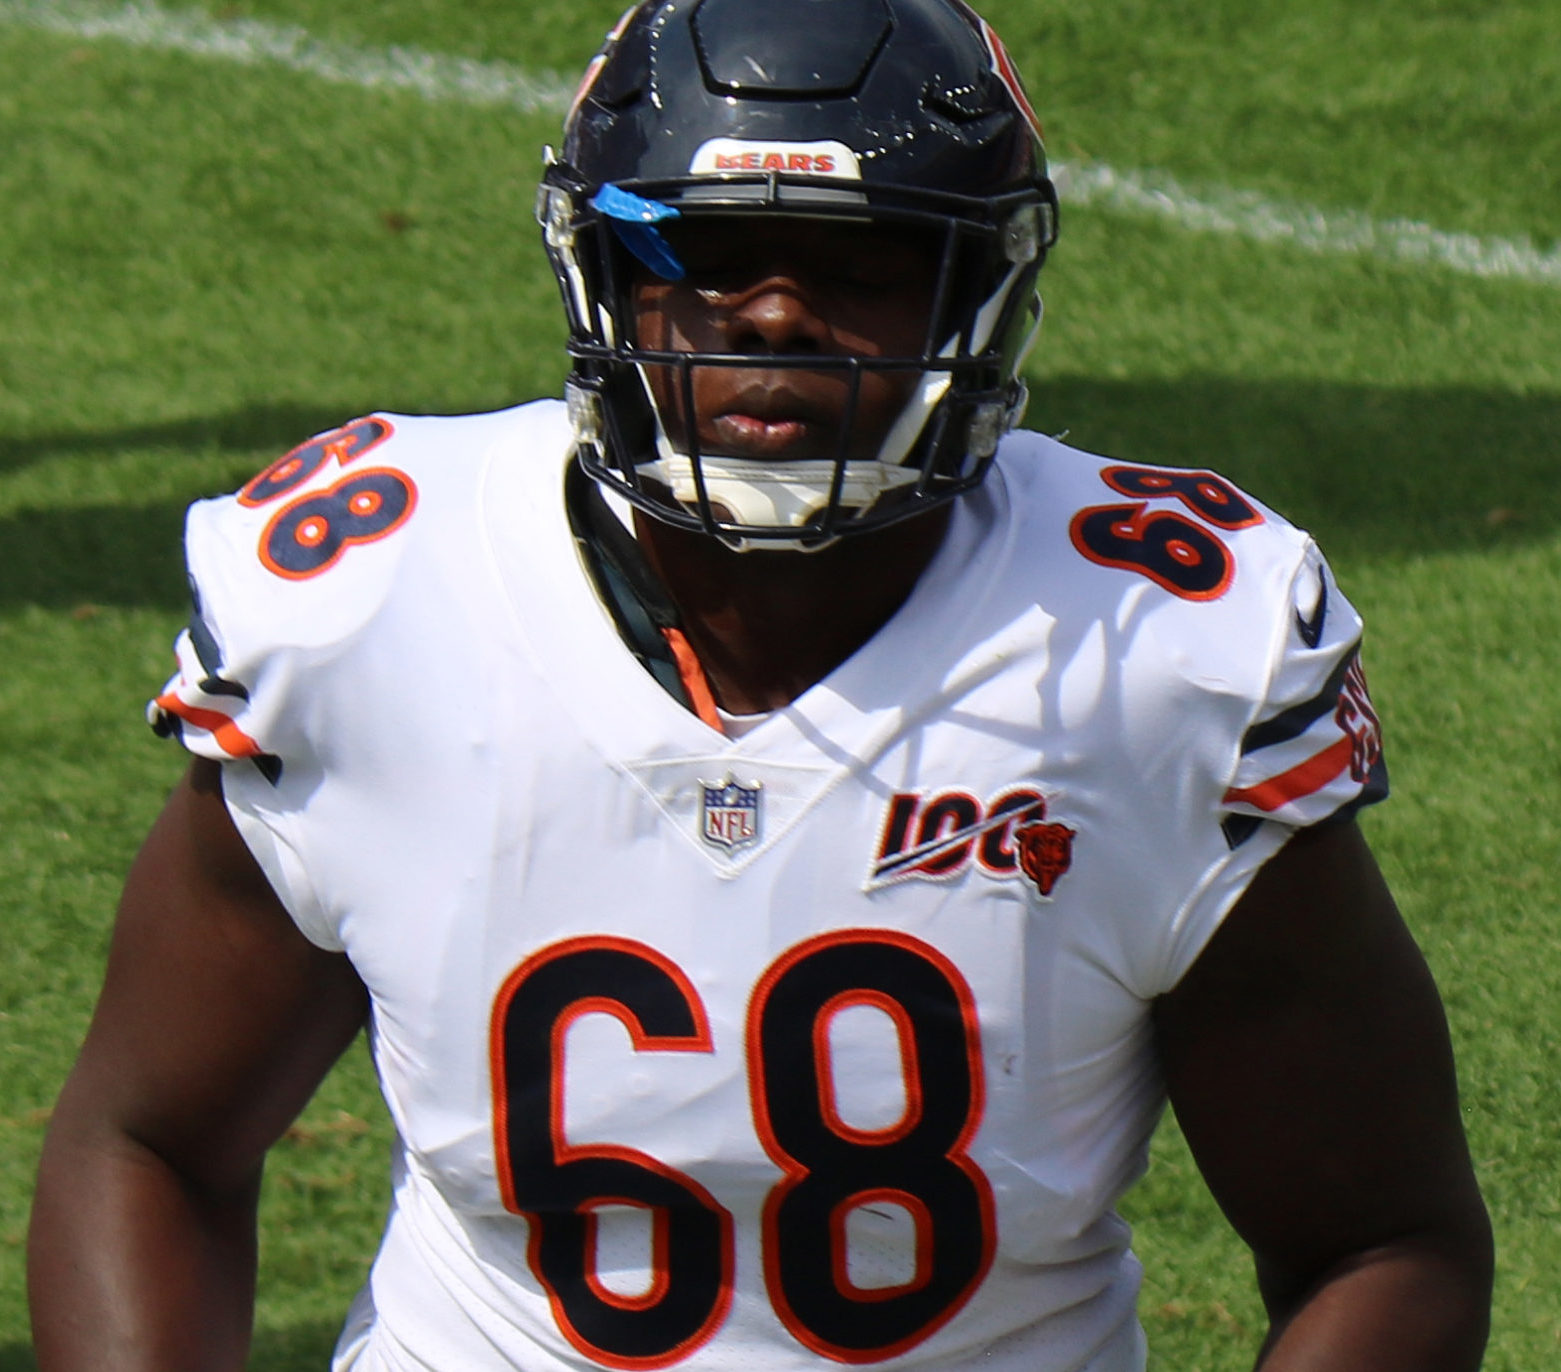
(785, 495)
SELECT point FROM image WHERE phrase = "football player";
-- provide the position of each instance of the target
(786, 830)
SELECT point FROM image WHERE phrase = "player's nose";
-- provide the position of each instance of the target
(777, 315)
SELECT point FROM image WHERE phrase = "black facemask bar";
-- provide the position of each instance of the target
(615, 416)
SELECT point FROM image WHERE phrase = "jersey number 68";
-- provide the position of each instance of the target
(830, 1168)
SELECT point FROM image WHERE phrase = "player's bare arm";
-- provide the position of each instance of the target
(1307, 1058)
(216, 1022)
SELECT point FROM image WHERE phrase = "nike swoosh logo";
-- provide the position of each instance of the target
(1311, 630)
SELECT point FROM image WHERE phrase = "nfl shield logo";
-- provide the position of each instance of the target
(729, 813)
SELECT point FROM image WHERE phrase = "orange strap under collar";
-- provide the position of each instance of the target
(694, 680)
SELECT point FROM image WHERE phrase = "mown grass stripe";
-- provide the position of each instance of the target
(440, 77)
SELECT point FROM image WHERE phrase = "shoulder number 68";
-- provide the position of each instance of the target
(310, 533)
(1177, 553)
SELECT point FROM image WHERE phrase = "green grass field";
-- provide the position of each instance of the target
(207, 260)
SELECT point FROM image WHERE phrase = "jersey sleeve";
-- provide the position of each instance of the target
(1310, 754)
(232, 696)
(1313, 751)
(206, 704)
(282, 575)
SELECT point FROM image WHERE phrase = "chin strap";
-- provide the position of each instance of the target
(784, 495)
(643, 613)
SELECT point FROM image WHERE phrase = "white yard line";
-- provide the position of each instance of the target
(438, 77)
(1245, 214)
(434, 76)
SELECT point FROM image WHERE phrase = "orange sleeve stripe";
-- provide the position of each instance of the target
(230, 738)
(1301, 780)
(694, 679)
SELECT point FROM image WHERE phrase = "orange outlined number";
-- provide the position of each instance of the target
(1178, 553)
(558, 1186)
(917, 1163)
(1210, 497)
(308, 535)
(292, 469)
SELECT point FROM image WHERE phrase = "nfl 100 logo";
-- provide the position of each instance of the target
(729, 813)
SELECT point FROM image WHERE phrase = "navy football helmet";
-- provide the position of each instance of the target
(897, 112)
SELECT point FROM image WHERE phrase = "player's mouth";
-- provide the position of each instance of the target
(746, 435)
(768, 424)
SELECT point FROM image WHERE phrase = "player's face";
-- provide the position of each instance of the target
(792, 288)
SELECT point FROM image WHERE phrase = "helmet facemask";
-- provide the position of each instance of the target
(629, 403)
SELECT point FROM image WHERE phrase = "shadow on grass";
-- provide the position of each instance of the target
(130, 555)
(1375, 473)
(125, 555)
(255, 428)
(301, 1348)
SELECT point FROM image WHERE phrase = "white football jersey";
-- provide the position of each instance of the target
(830, 1042)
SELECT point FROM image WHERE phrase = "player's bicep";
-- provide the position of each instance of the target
(217, 1017)
(1308, 1060)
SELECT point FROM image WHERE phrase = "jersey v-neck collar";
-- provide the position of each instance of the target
(838, 726)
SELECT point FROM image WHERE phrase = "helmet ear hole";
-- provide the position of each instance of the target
(911, 120)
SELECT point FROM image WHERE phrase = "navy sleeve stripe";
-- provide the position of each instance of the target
(1295, 721)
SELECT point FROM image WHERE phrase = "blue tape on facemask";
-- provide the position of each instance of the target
(634, 220)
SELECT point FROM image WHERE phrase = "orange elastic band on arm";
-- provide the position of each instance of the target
(229, 737)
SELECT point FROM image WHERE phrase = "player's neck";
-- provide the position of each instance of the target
(766, 626)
